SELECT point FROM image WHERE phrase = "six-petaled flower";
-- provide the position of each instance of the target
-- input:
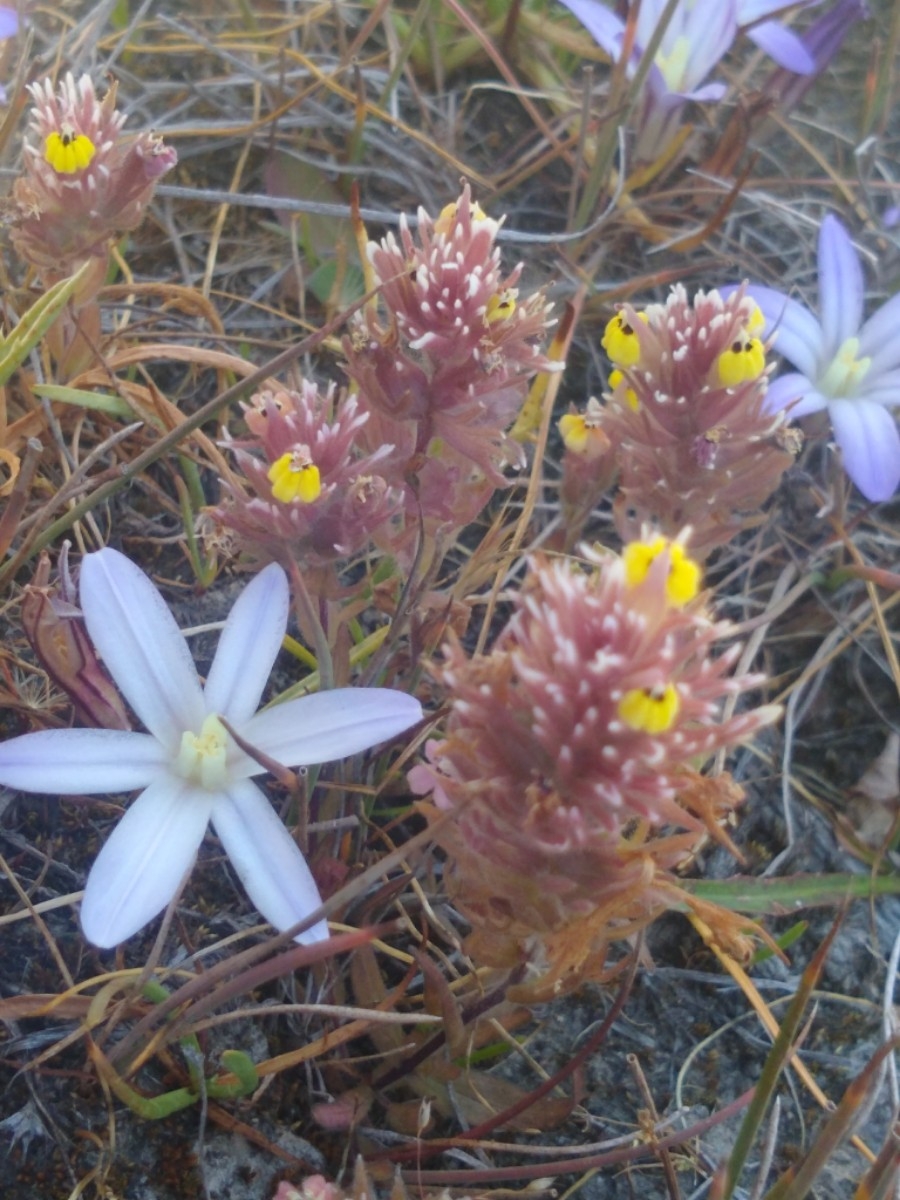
(191, 770)
(844, 365)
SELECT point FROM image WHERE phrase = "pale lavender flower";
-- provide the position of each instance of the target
(822, 40)
(192, 771)
(844, 365)
(696, 39)
(9, 27)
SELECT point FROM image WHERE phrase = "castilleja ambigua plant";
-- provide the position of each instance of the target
(571, 754)
(191, 769)
(85, 181)
(686, 419)
(314, 498)
(443, 361)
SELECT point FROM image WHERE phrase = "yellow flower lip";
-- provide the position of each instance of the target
(631, 397)
(742, 362)
(650, 710)
(447, 216)
(68, 152)
(501, 306)
(683, 581)
(295, 477)
(621, 342)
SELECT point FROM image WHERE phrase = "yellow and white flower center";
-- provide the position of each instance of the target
(845, 371)
(201, 759)
(673, 65)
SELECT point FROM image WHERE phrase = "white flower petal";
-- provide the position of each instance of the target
(69, 762)
(139, 869)
(248, 646)
(841, 285)
(330, 725)
(143, 648)
(797, 333)
(268, 863)
(870, 446)
(878, 338)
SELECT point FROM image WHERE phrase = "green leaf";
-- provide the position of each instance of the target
(35, 323)
(113, 406)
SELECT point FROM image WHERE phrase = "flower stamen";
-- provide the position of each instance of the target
(201, 758)
(845, 371)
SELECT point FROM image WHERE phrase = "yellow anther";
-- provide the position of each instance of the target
(68, 151)
(650, 710)
(621, 342)
(683, 580)
(742, 362)
(501, 305)
(631, 397)
(295, 476)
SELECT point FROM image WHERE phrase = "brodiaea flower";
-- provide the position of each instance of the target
(844, 365)
(85, 181)
(696, 38)
(192, 771)
(572, 739)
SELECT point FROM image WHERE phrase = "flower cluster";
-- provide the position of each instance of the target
(695, 444)
(84, 182)
(843, 365)
(190, 767)
(570, 743)
(444, 366)
(316, 496)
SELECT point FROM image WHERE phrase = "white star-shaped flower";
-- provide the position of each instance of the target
(191, 770)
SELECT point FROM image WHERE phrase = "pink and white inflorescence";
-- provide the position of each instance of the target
(85, 181)
(444, 363)
(352, 499)
(601, 697)
(694, 443)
